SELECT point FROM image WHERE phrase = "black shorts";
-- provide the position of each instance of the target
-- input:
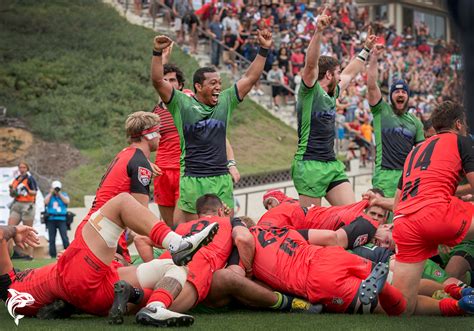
(276, 90)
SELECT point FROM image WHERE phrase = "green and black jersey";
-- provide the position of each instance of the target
(395, 136)
(202, 130)
(316, 123)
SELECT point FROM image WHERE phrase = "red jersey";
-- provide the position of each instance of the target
(209, 258)
(169, 147)
(285, 214)
(334, 217)
(279, 252)
(432, 171)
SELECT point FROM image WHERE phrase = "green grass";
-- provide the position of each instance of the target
(250, 320)
(73, 70)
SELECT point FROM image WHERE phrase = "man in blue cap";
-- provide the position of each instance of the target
(396, 131)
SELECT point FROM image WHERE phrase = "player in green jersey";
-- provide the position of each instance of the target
(315, 170)
(202, 123)
(396, 131)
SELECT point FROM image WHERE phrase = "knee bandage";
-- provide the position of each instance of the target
(150, 273)
(108, 230)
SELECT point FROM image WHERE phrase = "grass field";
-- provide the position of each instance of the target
(249, 320)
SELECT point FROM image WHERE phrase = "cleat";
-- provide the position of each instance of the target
(57, 310)
(158, 316)
(467, 304)
(190, 245)
(122, 295)
(374, 283)
(303, 306)
(467, 291)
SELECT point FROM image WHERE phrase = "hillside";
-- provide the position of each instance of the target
(73, 71)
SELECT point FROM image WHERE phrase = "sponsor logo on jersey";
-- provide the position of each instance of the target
(144, 176)
(361, 240)
(18, 300)
(337, 301)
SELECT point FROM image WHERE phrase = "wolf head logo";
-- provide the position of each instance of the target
(18, 300)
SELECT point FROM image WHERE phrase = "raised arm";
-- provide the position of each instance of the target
(310, 70)
(357, 63)
(164, 88)
(374, 94)
(245, 84)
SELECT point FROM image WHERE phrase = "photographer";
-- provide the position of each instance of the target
(56, 206)
(23, 189)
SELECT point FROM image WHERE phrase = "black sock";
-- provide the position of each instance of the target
(136, 296)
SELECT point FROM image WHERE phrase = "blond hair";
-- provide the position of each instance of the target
(139, 121)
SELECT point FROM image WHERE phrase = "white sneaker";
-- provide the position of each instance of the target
(260, 92)
(188, 246)
(158, 316)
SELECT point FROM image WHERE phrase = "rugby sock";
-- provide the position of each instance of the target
(136, 296)
(161, 296)
(392, 300)
(449, 307)
(283, 302)
(147, 292)
(453, 290)
(160, 233)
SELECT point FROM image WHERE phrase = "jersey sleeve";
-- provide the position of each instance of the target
(466, 153)
(420, 134)
(139, 171)
(378, 107)
(373, 253)
(174, 104)
(236, 222)
(231, 97)
(306, 91)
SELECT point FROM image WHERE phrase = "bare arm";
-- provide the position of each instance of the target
(245, 244)
(164, 88)
(374, 94)
(234, 172)
(252, 75)
(328, 238)
(310, 69)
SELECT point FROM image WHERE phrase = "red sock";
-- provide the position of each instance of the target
(161, 295)
(453, 290)
(159, 232)
(449, 307)
(147, 292)
(392, 300)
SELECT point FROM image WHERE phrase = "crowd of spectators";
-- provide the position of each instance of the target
(431, 66)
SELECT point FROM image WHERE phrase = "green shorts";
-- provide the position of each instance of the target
(191, 188)
(156, 254)
(315, 178)
(434, 272)
(387, 181)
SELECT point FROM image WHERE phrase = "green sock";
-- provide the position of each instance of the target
(279, 301)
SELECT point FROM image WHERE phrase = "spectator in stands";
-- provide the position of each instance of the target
(230, 40)
(216, 29)
(180, 9)
(56, 202)
(276, 78)
(23, 189)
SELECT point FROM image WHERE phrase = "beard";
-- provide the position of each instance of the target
(398, 111)
(332, 87)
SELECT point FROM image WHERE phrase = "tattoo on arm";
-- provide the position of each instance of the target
(7, 232)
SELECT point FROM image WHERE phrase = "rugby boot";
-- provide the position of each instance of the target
(189, 245)
(466, 303)
(156, 315)
(124, 293)
(303, 306)
(373, 285)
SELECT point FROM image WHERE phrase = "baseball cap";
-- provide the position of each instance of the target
(56, 184)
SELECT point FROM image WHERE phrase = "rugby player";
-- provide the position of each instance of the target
(273, 198)
(202, 124)
(427, 213)
(396, 131)
(166, 185)
(85, 277)
(315, 171)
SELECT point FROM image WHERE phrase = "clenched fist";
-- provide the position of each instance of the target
(161, 42)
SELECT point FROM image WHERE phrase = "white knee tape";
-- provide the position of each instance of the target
(108, 230)
(390, 277)
(150, 273)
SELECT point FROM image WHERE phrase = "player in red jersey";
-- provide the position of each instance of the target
(427, 213)
(84, 275)
(130, 171)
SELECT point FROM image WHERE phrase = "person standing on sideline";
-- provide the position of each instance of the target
(23, 189)
(56, 202)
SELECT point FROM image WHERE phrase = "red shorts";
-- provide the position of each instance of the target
(334, 278)
(200, 274)
(166, 188)
(88, 283)
(418, 235)
(41, 283)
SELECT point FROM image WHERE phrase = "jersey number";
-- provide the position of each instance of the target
(197, 227)
(288, 246)
(422, 162)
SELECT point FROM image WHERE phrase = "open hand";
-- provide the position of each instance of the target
(26, 236)
(378, 50)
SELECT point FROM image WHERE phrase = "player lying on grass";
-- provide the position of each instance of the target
(84, 276)
(208, 283)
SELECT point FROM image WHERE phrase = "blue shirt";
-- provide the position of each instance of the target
(56, 208)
